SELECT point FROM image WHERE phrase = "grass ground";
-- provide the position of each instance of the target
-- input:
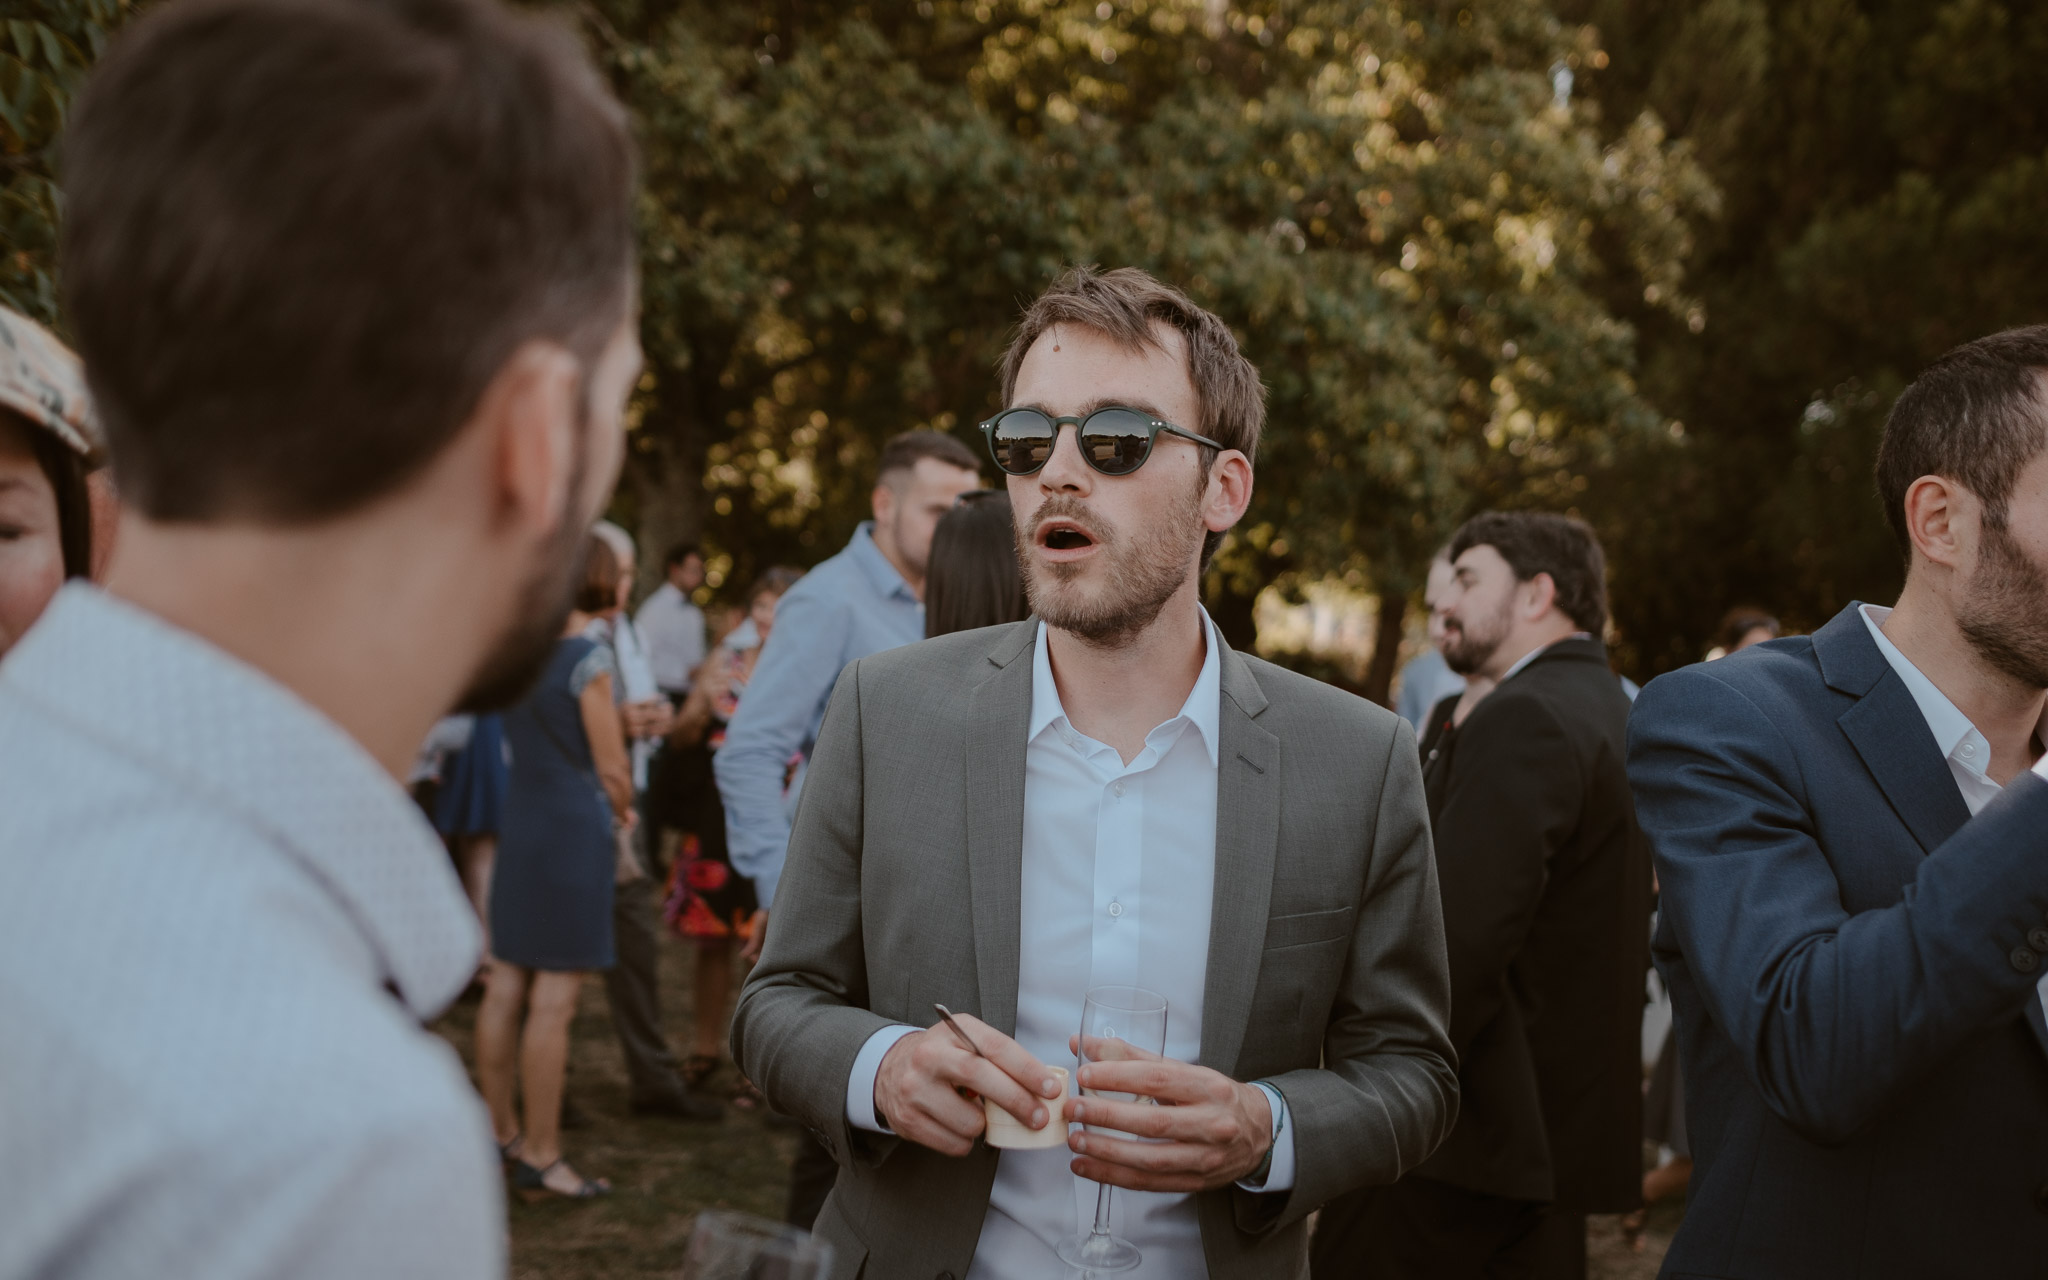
(664, 1172)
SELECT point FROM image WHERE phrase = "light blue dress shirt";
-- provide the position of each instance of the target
(848, 607)
(221, 923)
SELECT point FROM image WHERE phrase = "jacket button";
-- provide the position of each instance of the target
(2024, 960)
(2038, 939)
(2041, 1198)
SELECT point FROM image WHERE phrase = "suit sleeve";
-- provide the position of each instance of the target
(803, 1014)
(1832, 1014)
(1513, 801)
(1387, 1091)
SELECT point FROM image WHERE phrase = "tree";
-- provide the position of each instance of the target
(1407, 220)
(45, 47)
(1884, 163)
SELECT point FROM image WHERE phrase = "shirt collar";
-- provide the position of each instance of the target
(887, 582)
(1952, 729)
(228, 736)
(1202, 711)
(1538, 652)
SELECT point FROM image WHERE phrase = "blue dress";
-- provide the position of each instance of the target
(471, 800)
(551, 892)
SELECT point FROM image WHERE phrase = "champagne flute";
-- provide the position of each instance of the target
(1117, 1024)
(740, 1246)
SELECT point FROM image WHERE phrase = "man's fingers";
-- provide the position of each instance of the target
(1186, 1124)
(1014, 1059)
(1160, 1078)
(1149, 1157)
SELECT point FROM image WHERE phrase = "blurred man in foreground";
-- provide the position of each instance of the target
(1853, 854)
(1002, 819)
(1546, 905)
(353, 284)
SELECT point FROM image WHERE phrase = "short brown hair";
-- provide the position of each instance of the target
(1122, 304)
(1534, 542)
(602, 573)
(1977, 416)
(905, 451)
(302, 236)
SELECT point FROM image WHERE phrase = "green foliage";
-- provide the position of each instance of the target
(1885, 167)
(1412, 230)
(45, 46)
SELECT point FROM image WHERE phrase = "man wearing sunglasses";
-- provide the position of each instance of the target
(999, 820)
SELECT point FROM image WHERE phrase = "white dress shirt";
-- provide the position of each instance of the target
(1119, 866)
(221, 924)
(674, 631)
(1965, 748)
(636, 680)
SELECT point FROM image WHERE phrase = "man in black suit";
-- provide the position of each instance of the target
(1546, 895)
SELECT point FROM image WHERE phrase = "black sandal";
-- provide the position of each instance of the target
(508, 1150)
(532, 1185)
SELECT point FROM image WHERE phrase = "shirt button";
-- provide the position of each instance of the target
(1116, 909)
(2024, 960)
(1968, 750)
(1117, 789)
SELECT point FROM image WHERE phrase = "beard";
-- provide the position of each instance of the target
(545, 602)
(2004, 614)
(1140, 576)
(1470, 643)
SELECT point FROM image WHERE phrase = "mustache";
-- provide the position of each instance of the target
(1062, 506)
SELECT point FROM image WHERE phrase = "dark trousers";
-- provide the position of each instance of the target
(1421, 1229)
(631, 987)
(810, 1181)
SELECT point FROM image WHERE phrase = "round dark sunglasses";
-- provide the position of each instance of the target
(1114, 439)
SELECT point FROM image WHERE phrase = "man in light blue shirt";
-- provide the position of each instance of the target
(867, 598)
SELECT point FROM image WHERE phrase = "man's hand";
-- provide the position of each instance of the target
(1215, 1129)
(650, 719)
(757, 933)
(930, 1086)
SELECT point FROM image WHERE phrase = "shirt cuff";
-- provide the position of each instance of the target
(1280, 1175)
(860, 1083)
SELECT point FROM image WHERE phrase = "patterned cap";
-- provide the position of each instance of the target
(42, 381)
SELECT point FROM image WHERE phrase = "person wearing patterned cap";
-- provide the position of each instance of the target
(48, 444)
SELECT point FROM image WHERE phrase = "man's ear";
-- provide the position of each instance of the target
(530, 410)
(1229, 492)
(1538, 595)
(1942, 520)
(883, 504)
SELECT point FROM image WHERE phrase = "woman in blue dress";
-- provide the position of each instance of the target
(570, 792)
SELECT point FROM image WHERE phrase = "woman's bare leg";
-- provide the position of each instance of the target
(713, 989)
(497, 1043)
(543, 1059)
(478, 855)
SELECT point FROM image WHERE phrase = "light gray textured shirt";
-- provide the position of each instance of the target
(221, 923)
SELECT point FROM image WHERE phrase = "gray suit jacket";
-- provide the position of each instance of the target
(1326, 973)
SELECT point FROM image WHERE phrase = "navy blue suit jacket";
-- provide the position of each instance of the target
(1852, 961)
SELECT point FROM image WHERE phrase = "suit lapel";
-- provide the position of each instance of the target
(1247, 844)
(1888, 731)
(997, 723)
(1891, 735)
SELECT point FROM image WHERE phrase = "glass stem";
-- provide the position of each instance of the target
(1101, 1209)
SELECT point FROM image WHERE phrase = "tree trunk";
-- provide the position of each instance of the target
(669, 501)
(1386, 647)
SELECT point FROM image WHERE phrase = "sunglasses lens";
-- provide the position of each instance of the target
(1116, 441)
(1022, 441)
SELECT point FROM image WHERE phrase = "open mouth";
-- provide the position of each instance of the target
(1063, 535)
